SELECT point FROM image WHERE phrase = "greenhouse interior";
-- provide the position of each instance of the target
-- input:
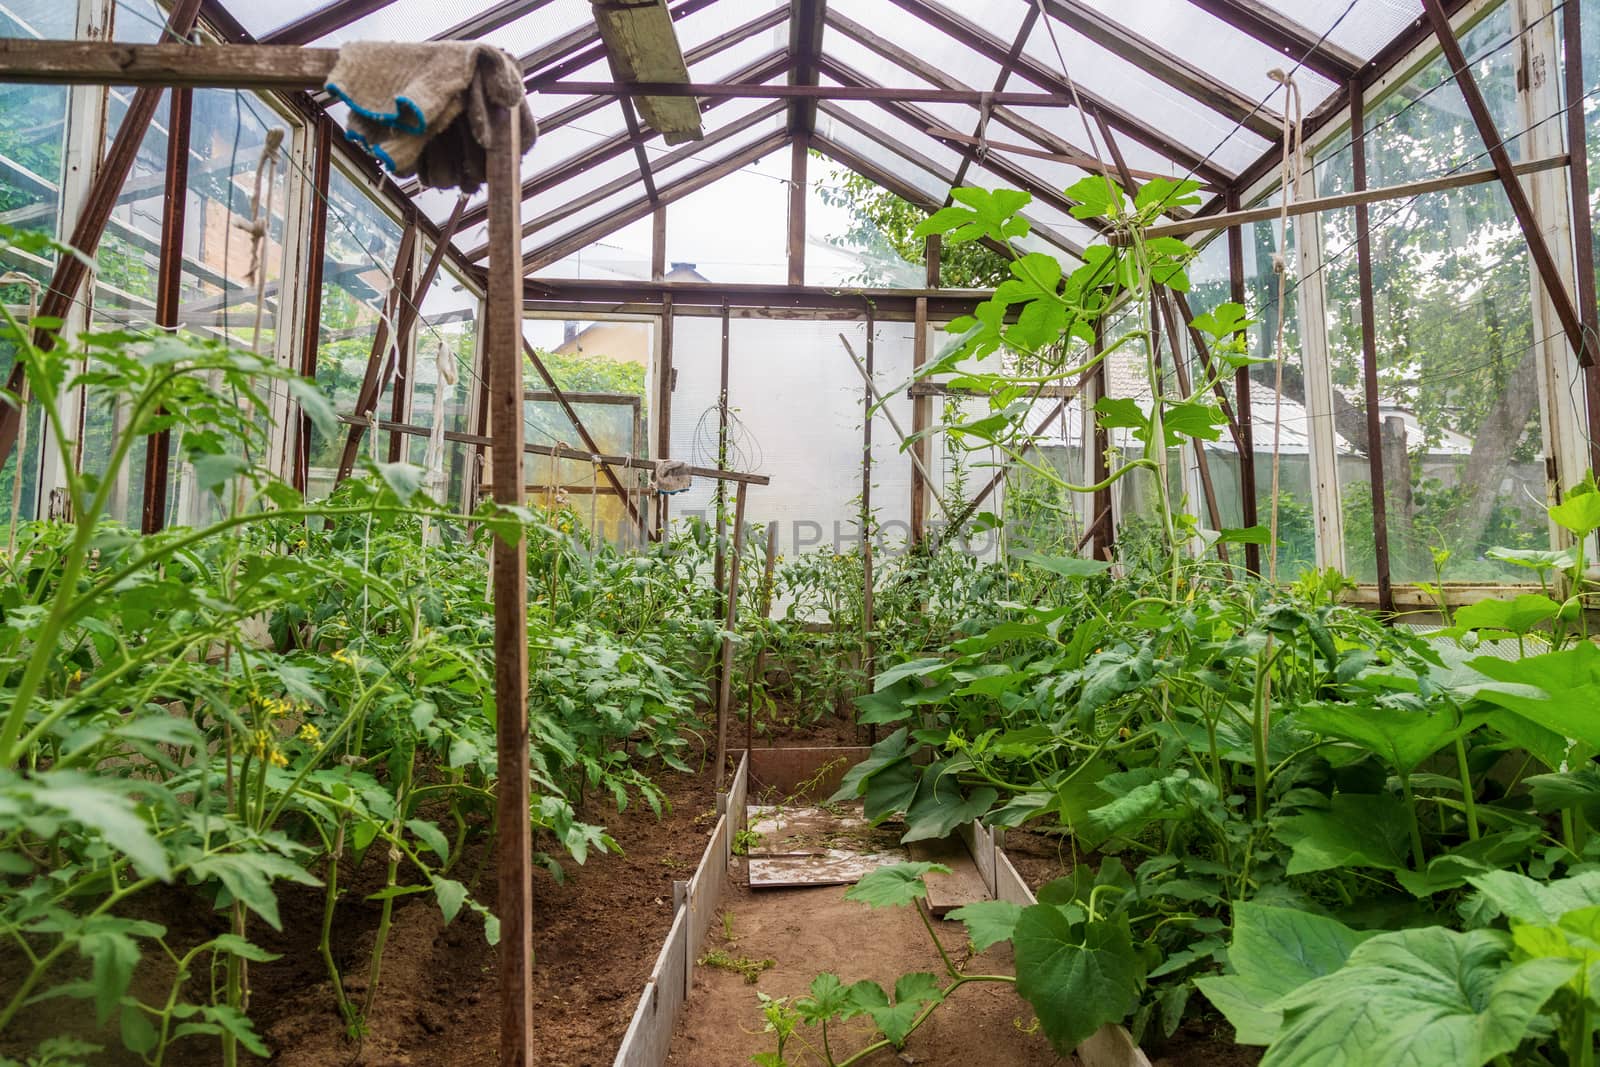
(799, 532)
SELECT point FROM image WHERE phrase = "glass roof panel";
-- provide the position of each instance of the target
(1066, 123)
(402, 20)
(1145, 98)
(538, 28)
(876, 118)
(1368, 26)
(1232, 57)
(1002, 20)
(937, 49)
(700, 26)
(890, 162)
(261, 19)
(718, 67)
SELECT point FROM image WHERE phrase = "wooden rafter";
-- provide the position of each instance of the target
(575, 50)
(806, 22)
(617, 185)
(986, 109)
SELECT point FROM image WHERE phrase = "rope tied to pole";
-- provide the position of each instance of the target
(1291, 166)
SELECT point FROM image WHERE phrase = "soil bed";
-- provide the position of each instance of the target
(805, 932)
(595, 939)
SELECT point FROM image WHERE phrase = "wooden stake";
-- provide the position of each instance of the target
(766, 613)
(503, 351)
(729, 621)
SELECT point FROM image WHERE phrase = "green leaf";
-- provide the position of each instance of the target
(248, 878)
(1356, 830)
(450, 894)
(828, 998)
(1569, 680)
(1274, 952)
(1078, 976)
(988, 921)
(138, 1032)
(1573, 791)
(890, 887)
(213, 471)
(315, 404)
(114, 956)
(1066, 566)
(938, 806)
(432, 836)
(1520, 615)
(1528, 901)
(1245, 535)
(1429, 997)
(1403, 738)
(1580, 512)
(98, 806)
(235, 945)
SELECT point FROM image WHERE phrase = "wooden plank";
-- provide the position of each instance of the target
(503, 356)
(963, 885)
(782, 771)
(282, 67)
(1008, 884)
(729, 623)
(649, 1033)
(705, 893)
(980, 846)
(735, 803)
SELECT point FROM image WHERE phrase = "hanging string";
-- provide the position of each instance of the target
(1292, 165)
(259, 225)
(35, 288)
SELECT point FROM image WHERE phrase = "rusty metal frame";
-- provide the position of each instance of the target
(70, 271)
(1248, 507)
(169, 292)
(1285, 36)
(1582, 221)
(316, 245)
(323, 21)
(1538, 248)
(1369, 357)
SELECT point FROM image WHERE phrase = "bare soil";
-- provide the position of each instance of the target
(805, 932)
(595, 939)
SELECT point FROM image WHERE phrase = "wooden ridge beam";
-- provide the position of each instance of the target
(806, 26)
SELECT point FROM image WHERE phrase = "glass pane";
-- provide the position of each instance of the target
(357, 278)
(444, 383)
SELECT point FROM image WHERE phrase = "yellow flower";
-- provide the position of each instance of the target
(279, 759)
(310, 734)
(77, 676)
(343, 656)
(260, 743)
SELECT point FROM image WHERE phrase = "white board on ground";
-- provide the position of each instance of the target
(801, 845)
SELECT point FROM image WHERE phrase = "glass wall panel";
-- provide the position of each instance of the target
(32, 142)
(444, 381)
(1458, 391)
(357, 267)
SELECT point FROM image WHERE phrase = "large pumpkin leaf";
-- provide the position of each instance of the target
(1429, 997)
(1274, 952)
(1078, 975)
(1356, 830)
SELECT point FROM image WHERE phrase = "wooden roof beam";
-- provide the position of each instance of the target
(575, 50)
(806, 23)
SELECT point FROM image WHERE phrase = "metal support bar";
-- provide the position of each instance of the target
(316, 252)
(1241, 391)
(169, 292)
(1538, 250)
(800, 149)
(1369, 357)
(729, 621)
(1582, 221)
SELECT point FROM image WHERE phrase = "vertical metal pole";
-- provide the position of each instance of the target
(722, 457)
(311, 327)
(658, 244)
(1582, 223)
(169, 292)
(922, 407)
(1369, 354)
(799, 149)
(760, 671)
(663, 412)
(1241, 392)
(868, 654)
(503, 351)
(729, 621)
(1103, 524)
